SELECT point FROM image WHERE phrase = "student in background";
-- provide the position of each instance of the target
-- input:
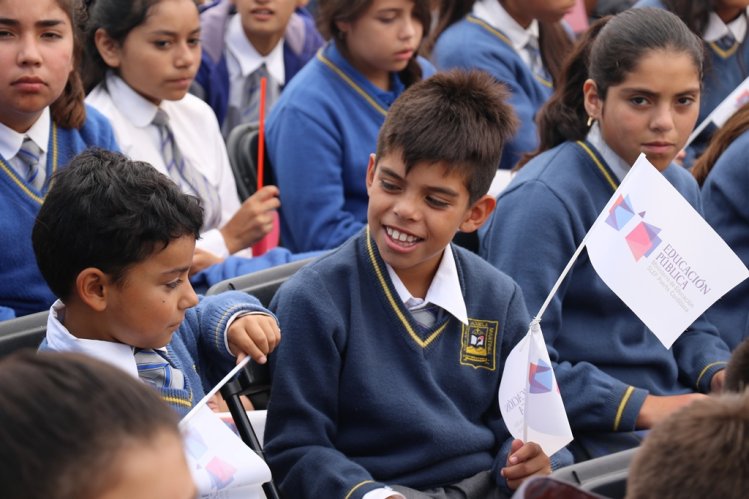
(522, 44)
(632, 86)
(114, 240)
(383, 386)
(722, 25)
(43, 123)
(326, 121)
(700, 451)
(737, 370)
(243, 41)
(141, 58)
(723, 173)
(73, 427)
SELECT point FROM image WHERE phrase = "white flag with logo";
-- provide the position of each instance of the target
(659, 255)
(222, 466)
(529, 397)
(737, 98)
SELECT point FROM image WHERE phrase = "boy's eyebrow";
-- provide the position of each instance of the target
(180, 270)
(445, 191)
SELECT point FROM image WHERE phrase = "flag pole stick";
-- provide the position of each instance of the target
(261, 135)
(561, 278)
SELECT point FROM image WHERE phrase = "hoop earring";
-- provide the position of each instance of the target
(590, 121)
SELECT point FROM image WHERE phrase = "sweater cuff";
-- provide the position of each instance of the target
(359, 490)
(499, 462)
(628, 404)
(702, 384)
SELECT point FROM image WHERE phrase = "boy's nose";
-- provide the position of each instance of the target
(190, 298)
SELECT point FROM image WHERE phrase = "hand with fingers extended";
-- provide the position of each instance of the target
(525, 460)
(255, 335)
(252, 221)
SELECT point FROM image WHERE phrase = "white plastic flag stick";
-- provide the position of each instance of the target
(214, 391)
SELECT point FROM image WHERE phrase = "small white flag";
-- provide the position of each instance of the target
(222, 465)
(659, 255)
(737, 98)
(529, 397)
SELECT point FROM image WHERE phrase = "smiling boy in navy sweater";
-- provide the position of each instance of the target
(394, 344)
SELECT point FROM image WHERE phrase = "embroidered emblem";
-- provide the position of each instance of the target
(478, 342)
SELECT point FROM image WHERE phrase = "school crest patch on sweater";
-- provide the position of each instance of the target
(478, 344)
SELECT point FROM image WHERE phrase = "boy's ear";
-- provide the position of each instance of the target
(371, 170)
(591, 99)
(91, 288)
(478, 213)
(108, 48)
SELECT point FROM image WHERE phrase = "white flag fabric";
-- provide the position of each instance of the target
(222, 465)
(529, 397)
(659, 255)
(737, 98)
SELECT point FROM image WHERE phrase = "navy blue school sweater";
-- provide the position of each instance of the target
(473, 43)
(724, 196)
(363, 396)
(22, 287)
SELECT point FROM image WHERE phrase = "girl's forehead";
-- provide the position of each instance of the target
(664, 68)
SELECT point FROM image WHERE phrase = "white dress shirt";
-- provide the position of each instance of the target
(493, 13)
(195, 130)
(717, 29)
(10, 144)
(613, 160)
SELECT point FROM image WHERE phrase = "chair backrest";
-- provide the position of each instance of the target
(262, 284)
(242, 160)
(242, 145)
(23, 332)
(605, 475)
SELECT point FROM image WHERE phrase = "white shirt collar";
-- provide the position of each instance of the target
(133, 106)
(248, 58)
(717, 29)
(444, 291)
(10, 140)
(613, 160)
(493, 13)
(59, 339)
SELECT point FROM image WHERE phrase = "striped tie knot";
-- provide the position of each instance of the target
(29, 155)
(154, 368)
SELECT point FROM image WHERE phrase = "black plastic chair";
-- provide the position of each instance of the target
(254, 380)
(242, 145)
(606, 475)
(262, 284)
(23, 332)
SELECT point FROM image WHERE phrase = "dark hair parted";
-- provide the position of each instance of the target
(118, 18)
(68, 110)
(732, 129)
(699, 451)
(64, 420)
(554, 41)
(108, 212)
(737, 370)
(460, 119)
(610, 50)
(331, 12)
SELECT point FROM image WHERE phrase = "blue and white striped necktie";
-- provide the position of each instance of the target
(154, 368)
(536, 61)
(188, 178)
(29, 155)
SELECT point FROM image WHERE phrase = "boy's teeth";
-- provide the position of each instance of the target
(400, 236)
